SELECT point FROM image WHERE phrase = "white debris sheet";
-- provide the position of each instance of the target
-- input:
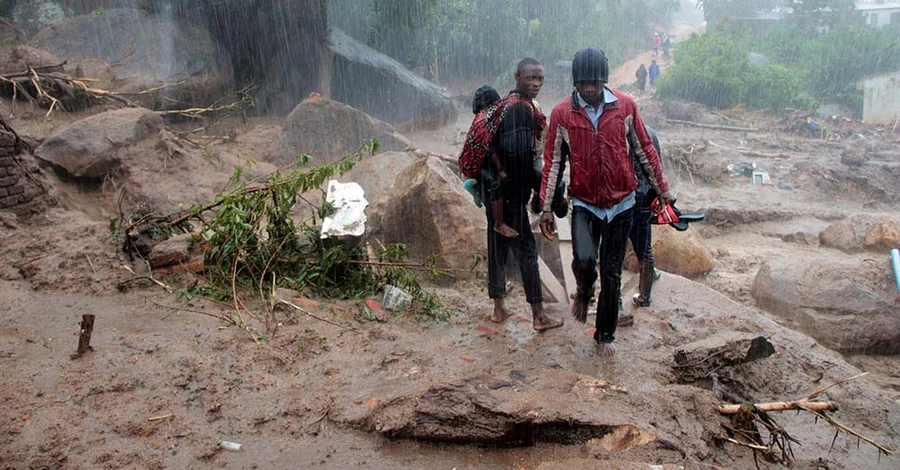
(350, 204)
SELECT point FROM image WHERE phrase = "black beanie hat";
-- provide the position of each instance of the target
(484, 97)
(590, 65)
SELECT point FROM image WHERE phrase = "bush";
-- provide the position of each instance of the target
(710, 69)
(772, 87)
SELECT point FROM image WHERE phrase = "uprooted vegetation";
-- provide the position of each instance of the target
(254, 243)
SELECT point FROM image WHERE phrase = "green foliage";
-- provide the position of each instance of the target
(822, 63)
(835, 59)
(716, 10)
(711, 69)
(484, 37)
(256, 245)
(6, 7)
(771, 87)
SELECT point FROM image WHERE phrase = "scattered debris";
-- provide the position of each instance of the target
(395, 299)
(699, 360)
(232, 446)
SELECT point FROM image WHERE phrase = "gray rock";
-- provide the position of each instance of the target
(381, 87)
(86, 148)
(377, 175)
(432, 214)
(847, 305)
(147, 50)
(328, 131)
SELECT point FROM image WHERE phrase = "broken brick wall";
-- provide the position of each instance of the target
(20, 191)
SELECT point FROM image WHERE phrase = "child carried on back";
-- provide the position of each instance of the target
(486, 182)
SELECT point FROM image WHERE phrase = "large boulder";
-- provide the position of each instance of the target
(377, 175)
(87, 148)
(432, 214)
(148, 50)
(848, 305)
(862, 232)
(328, 131)
(380, 86)
(681, 253)
(17, 59)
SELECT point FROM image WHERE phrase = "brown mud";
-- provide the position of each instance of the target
(165, 383)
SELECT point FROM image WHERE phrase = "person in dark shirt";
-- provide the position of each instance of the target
(514, 143)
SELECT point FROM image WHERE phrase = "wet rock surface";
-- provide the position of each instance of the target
(149, 50)
(87, 148)
(328, 131)
(402, 98)
(847, 305)
(433, 215)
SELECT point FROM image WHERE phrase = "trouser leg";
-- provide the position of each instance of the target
(498, 249)
(612, 254)
(525, 250)
(585, 240)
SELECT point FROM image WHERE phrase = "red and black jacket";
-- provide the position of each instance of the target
(602, 172)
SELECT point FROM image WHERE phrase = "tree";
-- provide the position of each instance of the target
(717, 10)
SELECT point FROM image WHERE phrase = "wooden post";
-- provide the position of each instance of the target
(84, 338)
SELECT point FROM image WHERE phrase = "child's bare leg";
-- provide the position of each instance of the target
(499, 225)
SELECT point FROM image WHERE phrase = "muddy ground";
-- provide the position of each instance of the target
(166, 382)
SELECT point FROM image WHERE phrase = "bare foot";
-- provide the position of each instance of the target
(500, 314)
(506, 231)
(580, 309)
(606, 349)
(544, 322)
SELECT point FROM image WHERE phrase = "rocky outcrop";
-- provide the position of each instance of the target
(847, 305)
(863, 232)
(86, 148)
(328, 131)
(432, 214)
(381, 87)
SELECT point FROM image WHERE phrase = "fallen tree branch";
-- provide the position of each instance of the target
(817, 408)
(308, 313)
(819, 391)
(783, 406)
(182, 309)
(748, 152)
(841, 428)
(713, 126)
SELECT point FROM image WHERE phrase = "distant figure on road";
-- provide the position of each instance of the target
(641, 76)
(654, 72)
(666, 44)
(656, 43)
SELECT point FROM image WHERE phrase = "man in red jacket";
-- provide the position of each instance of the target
(595, 129)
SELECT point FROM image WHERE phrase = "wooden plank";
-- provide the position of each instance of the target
(551, 283)
(564, 235)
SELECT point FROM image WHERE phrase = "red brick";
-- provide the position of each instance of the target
(488, 330)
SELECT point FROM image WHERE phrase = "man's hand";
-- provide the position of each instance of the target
(503, 176)
(667, 198)
(548, 226)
